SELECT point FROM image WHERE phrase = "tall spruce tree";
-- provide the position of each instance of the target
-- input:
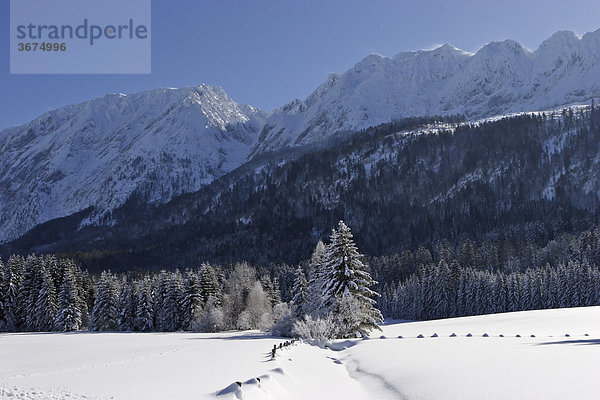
(312, 306)
(209, 285)
(28, 293)
(12, 281)
(105, 314)
(2, 297)
(169, 313)
(347, 284)
(300, 291)
(144, 315)
(127, 307)
(45, 307)
(68, 316)
(191, 301)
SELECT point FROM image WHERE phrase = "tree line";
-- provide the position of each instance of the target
(445, 291)
(48, 293)
(334, 293)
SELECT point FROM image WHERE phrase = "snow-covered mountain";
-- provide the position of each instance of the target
(158, 144)
(165, 142)
(501, 77)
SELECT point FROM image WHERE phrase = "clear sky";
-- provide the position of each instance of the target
(266, 53)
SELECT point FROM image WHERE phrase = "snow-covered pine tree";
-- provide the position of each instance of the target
(441, 284)
(144, 315)
(346, 275)
(515, 287)
(314, 298)
(85, 291)
(68, 316)
(502, 296)
(45, 307)
(13, 275)
(454, 287)
(271, 289)
(425, 274)
(127, 306)
(592, 292)
(386, 302)
(209, 285)
(28, 292)
(2, 296)
(191, 302)
(55, 267)
(105, 313)
(169, 314)
(300, 291)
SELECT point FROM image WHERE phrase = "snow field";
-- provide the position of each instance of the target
(129, 365)
(549, 365)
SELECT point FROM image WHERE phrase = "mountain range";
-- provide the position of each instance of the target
(154, 146)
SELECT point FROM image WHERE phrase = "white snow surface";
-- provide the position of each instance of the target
(184, 366)
(502, 77)
(159, 143)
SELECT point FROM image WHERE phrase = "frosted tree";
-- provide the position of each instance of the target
(346, 284)
(45, 306)
(314, 291)
(28, 293)
(13, 274)
(2, 297)
(169, 314)
(212, 318)
(300, 291)
(85, 292)
(68, 316)
(237, 288)
(592, 290)
(441, 285)
(191, 302)
(283, 320)
(127, 307)
(105, 314)
(144, 314)
(209, 284)
(271, 289)
(257, 313)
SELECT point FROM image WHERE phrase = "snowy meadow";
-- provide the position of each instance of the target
(555, 357)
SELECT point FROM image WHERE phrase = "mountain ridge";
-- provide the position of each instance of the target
(155, 144)
(501, 77)
(161, 143)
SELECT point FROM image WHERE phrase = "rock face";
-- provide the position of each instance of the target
(156, 144)
(502, 77)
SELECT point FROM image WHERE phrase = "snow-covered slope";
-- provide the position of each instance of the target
(158, 143)
(502, 77)
(184, 366)
(165, 142)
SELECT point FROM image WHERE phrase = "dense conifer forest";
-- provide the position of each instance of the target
(402, 185)
(331, 294)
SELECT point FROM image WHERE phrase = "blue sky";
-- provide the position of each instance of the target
(267, 53)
